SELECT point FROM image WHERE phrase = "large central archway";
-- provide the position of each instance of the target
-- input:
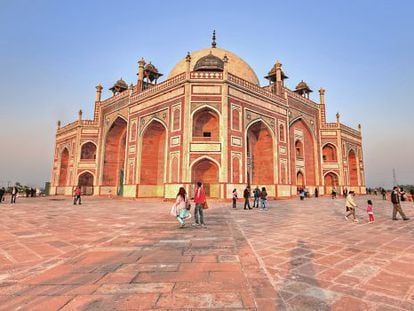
(114, 157)
(353, 170)
(259, 155)
(153, 154)
(207, 172)
(64, 163)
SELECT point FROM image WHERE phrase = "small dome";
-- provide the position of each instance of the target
(209, 63)
(151, 72)
(150, 67)
(302, 86)
(119, 86)
(236, 65)
(121, 83)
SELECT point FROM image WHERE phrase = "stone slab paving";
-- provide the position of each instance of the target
(111, 254)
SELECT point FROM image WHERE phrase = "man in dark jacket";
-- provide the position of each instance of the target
(14, 192)
(395, 199)
(246, 196)
(2, 192)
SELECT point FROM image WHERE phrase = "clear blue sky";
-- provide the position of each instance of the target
(53, 53)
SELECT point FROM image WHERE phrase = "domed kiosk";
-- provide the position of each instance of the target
(209, 121)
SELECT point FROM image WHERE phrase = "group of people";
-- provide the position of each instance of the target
(396, 197)
(259, 198)
(14, 191)
(182, 206)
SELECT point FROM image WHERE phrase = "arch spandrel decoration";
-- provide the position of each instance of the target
(251, 117)
(161, 116)
(309, 125)
(215, 106)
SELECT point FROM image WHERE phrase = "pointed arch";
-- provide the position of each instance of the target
(114, 153)
(88, 151)
(300, 180)
(64, 167)
(329, 153)
(153, 153)
(353, 168)
(299, 130)
(85, 181)
(259, 153)
(206, 170)
(206, 124)
(331, 181)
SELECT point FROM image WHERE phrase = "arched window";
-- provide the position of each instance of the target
(206, 125)
(329, 153)
(299, 149)
(88, 151)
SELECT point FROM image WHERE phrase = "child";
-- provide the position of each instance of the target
(370, 211)
(234, 197)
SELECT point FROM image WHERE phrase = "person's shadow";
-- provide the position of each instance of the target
(300, 289)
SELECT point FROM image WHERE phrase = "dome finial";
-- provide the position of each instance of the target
(213, 43)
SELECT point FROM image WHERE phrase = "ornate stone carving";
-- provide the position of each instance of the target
(195, 106)
(251, 116)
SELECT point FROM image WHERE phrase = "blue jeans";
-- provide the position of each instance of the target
(256, 202)
(198, 213)
(264, 202)
(181, 217)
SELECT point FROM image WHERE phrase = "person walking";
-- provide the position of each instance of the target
(246, 196)
(396, 202)
(334, 193)
(2, 192)
(316, 192)
(14, 193)
(199, 201)
(370, 211)
(263, 198)
(302, 194)
(182, 207)
(234, 197)
(350, 206)
(384, 194)
(256, 197)
(77, 195)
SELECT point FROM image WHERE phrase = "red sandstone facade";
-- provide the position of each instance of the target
(211, 121)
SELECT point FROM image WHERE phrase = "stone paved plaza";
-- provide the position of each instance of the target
(110, 254)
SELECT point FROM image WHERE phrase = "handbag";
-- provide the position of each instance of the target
(173, 211)
(205, 205)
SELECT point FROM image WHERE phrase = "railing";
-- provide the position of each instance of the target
(75, 124)
(159, 87)
(252, 87)
(331, 125)
(206, 75)
(301, 98)
(350, 130)
(115, 98)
